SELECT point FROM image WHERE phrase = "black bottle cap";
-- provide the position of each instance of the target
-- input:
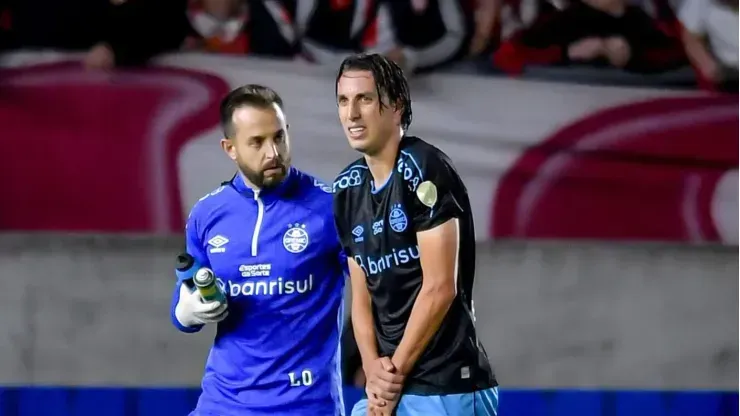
(184, 262)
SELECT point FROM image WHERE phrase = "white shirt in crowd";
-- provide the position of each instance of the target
(718, 22)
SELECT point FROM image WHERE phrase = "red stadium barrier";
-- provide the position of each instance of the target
(130, 151)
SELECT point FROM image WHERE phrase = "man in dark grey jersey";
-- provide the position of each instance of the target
(404, 220)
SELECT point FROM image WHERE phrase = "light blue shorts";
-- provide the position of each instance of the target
(479, 403)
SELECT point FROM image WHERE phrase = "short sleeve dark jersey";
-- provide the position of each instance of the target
(377, 225)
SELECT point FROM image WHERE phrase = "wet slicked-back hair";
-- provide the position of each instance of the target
(251, 95)
(389, 81)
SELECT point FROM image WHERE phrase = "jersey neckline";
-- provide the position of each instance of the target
(237, 182)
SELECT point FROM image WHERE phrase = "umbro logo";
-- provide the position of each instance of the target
(357, 232)
(217, 244)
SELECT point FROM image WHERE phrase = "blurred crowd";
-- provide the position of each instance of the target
(636, 36)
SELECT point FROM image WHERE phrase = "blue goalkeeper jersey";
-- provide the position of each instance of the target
(278, 258)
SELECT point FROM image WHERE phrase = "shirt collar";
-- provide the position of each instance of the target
(270, 194)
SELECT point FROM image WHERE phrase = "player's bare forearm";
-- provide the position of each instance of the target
(362, 322)
(362, 316)
(427, 315)
(438, 251)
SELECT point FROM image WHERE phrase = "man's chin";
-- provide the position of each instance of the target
(271, 178)
(366, 149)
(358, 145)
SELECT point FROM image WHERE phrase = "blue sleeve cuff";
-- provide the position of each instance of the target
(182, 328)
(173, 318)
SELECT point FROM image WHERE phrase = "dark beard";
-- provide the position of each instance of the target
(257, 178)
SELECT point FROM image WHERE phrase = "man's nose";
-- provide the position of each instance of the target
(271, 150)
(354, 111)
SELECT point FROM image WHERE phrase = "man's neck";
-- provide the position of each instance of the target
(381, 164)
(249, 183)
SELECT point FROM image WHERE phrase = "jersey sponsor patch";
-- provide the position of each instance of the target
(378, 227)
(427, 193)
(266, 287)
(321, 185)
(255, 270)
(388, 261)
(410, 171)
(349, 179)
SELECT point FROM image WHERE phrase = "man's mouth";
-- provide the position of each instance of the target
(356, 132)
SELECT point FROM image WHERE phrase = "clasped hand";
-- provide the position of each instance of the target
(383, 386)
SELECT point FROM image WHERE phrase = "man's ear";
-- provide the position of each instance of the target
(228, 146)
(397, 112)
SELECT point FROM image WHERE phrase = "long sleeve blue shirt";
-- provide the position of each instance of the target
(278, 258)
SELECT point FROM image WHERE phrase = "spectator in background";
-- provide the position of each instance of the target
(129, 38)
(710, 36)
(148, 28)
(331, 29)
(217, 26)
(424, 34)
(70, 25)
(514, 16)
(485, 17)
(598, 33)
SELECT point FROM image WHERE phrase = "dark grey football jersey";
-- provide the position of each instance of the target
(377, 225)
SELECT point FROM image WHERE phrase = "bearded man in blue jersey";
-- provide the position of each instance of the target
(269, 236)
